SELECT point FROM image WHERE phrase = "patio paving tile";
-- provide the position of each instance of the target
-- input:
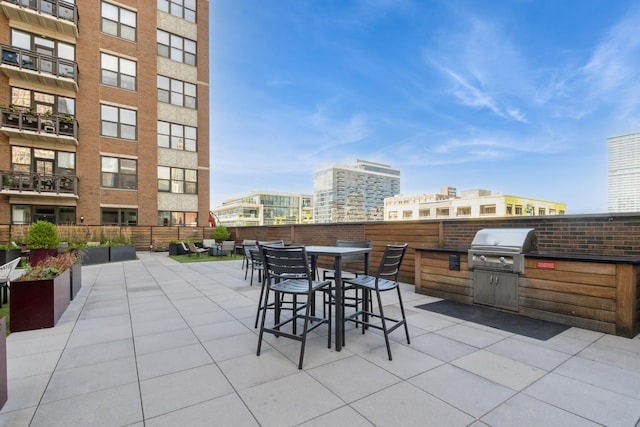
(90, 354)
(67, 383)
(174, 344)
(168, 393)
(338, 377)
(591, 402)
(499, 369)
(418, 408)
(468, 392)
(172, 360)
(227, 410)
(302, 396)
(117, 406)
(164, 340)
(525, 411)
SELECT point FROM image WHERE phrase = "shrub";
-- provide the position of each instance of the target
(42, 235)
(220, 233)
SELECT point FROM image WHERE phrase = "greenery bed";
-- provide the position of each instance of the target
(205, 258)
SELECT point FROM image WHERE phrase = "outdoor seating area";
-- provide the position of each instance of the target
(169, 343)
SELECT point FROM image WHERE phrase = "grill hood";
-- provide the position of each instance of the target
(516, 240)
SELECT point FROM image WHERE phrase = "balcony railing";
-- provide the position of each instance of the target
(62, 128)
(53, 14)
(33, 66)
(30, 183)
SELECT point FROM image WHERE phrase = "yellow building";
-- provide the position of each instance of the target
(472, 204)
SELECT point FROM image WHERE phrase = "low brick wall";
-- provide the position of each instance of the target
(601, 234)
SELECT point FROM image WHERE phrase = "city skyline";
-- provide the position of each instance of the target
(516, 97)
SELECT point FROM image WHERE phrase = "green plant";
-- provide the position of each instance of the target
(66, 118)
(8, 246)
(11, 107)
(42, 235)
(220, 233)
(49, 267)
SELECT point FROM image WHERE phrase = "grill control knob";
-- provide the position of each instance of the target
(483, 258)
(502, 260)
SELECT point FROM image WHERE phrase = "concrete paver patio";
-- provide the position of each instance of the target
(153, 342)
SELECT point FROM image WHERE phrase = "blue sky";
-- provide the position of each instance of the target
(517, 97)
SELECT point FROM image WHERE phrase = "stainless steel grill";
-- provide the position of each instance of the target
(502, 249)
(496, 257)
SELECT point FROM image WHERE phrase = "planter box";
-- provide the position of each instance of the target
(39, 304)
(97, 255)
(122, 253)
(76, 279)
(3, 362)
(37, 255)
(176, 249)
(7, 255)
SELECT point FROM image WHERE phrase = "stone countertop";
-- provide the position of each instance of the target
(554, 255)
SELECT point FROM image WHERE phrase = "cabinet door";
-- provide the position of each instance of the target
(506, 290)
(483, 289)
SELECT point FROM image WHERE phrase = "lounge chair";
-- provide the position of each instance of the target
(5, 277)
(193, 249)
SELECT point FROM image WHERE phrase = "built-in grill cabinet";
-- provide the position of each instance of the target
(496, 257)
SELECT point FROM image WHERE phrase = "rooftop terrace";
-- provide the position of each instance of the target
(153, 342)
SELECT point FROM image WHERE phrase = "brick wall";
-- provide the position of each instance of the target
(605, 234)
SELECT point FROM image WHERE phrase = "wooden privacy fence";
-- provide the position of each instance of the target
(601, 234)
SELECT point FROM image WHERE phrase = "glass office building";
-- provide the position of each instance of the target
(266, 209)
(624, 173)
(353, 193)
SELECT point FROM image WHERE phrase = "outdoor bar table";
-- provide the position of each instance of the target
(337, 252)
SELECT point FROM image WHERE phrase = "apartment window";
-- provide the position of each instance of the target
(407, 214)
(118, 122)
(542, 211)
(48, 49)
(118, 216)
(177, 180)
(118, 72)
(518, 209)
(26, 214)
(178, 218)
(487, 209)
(424, 213)
(552, 211)
(176, 136)
(119, 173)
(42, 45)
(463, 211)
(509, 210)
(442, 211)
(393, 214)
(44, 162)
(185, 9)
(176, 48)
(43, 103)
(176, 92)
(118, 21)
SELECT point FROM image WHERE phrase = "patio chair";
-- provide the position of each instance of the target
(287, 273)
(353, 265)
(255, 261)
(385, 280)
(193, 249)
(271, 243)
(246, 254)
(5, 277)
(227, 248)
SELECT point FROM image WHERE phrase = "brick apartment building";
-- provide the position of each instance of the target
(104, 112)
